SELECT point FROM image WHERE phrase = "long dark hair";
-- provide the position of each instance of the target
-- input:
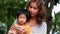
(42, 9)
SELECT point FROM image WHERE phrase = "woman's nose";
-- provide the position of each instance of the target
(32, 9)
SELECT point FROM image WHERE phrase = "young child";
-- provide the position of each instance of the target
(22, 17)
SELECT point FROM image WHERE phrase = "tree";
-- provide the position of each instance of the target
(49, 12)
(57, 23)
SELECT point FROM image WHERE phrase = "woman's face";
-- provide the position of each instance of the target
(33, 9)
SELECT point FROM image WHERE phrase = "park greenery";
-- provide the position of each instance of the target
(9, 8)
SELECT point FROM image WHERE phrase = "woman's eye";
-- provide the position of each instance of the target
(35, 8)
(30, 6)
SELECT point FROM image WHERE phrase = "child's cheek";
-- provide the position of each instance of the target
(24, 20)
(19, 19)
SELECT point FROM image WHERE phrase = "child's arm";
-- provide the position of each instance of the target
(28, 30)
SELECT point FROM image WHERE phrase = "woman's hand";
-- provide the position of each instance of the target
(19, 31)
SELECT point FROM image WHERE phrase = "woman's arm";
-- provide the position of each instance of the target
(12, 31)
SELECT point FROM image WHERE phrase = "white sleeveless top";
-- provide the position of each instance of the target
(42, 29)
(39, 29)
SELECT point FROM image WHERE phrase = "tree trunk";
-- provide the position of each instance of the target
(48, 14)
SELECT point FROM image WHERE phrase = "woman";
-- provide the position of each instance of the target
(36, 21)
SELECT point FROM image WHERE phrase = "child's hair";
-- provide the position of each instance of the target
(23, 11)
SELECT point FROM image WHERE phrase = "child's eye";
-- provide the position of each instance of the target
(24, 18)
(20, 17)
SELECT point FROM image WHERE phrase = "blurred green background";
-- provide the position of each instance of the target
(9, 8)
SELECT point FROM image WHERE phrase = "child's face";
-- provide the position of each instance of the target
(22, 18)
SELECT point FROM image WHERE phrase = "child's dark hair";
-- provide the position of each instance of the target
(23, 11)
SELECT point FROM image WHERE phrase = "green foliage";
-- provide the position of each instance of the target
(56, 23)
(3, 28)
(57, 16)
(8, 10)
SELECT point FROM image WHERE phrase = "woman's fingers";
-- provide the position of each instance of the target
(20, 31)
(13, 27)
